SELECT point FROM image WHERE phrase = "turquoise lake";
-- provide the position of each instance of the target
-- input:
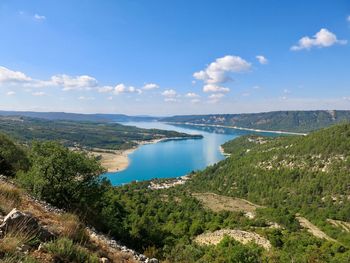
(175, 158)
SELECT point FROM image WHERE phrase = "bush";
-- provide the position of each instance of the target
(65, 250)
(12, 157)
(64, 178)
(72, 228)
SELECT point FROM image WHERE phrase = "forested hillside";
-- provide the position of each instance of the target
(82, 133)
(292, 121)
(78, 116)
(284, 199)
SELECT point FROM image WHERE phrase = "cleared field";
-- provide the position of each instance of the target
(219, 203)
(244, 237)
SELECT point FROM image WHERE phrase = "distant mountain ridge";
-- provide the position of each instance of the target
(291, 121)
(98, 117)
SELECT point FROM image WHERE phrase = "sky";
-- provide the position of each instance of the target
(161, 58)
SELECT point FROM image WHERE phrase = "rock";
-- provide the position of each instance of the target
(24, 222)
(24, 248)
(142, 257)
(40, 248)
(104, 260)
(153, 260)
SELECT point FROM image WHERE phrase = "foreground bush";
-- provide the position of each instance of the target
(12, 157)
(65, 250)
(64, 178)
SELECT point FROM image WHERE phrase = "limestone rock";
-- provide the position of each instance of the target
(24, 222)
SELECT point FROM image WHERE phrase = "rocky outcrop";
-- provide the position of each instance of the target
(42, 223)
(25, 223)
(113, 244)
(244, 237)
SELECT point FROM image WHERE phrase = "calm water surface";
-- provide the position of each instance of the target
(175, 157)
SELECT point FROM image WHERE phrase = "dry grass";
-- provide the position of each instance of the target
(219, 203)
(71, 227)
(10, 197)
(65, 225)
(16, 236)
(113, 254)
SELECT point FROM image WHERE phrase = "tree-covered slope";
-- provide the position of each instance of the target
(292, 121)
(78, 116)
(82, 133)
(305, 174)
(295, 188)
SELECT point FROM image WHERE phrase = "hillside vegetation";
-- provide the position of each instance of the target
(83, 134)
(292, 121)
(284, 199)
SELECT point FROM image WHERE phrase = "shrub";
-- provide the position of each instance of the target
(72, 228)
(65, 250)
(15, 237)
(12, 157)
(64, 178)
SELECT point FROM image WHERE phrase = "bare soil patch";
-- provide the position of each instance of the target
(314, 230)
(244, 237)
(342, 224)
(219, 203)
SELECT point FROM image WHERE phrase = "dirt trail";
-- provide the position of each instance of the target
(244, 237)
(313, 229)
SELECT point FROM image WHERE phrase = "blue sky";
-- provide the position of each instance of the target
(174, 57)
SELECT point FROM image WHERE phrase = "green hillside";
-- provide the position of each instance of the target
(292, 121)
(82, 133)
(283, 199)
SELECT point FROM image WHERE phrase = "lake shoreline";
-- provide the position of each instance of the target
(237, 128)
(118, 160)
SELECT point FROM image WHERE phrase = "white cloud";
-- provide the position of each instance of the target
(110, 98)
(39, 17)
(74, 83)
(246, 94)
(85, 98)
(323, 38)
(67, 82)
(10, 93)
(215, 88)
(191, 95)
(122, 88)
(150, 86)
(262, 59)
(218, 71)
(9, 76)
(286, 91)
(348, 18)
(105, 89)
(39, 93)
(256, 87)
(169, 93)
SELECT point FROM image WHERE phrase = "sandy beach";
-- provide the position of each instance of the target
(118, 160)
(113, 161)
